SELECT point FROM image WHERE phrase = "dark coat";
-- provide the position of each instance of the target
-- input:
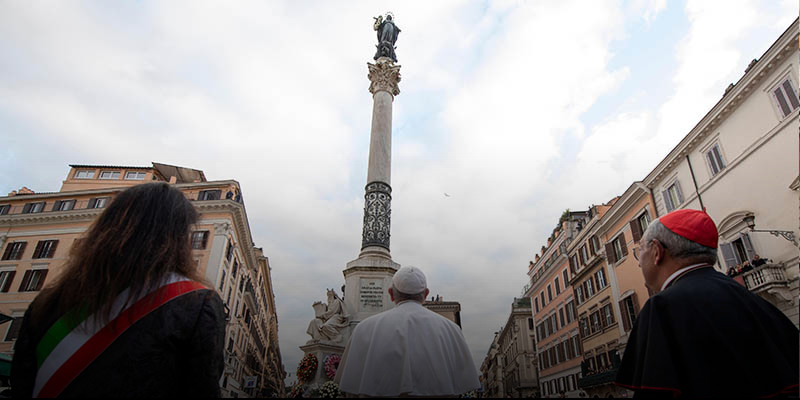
(707, 336)
(175, 351)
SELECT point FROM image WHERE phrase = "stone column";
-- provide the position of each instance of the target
(384, 77)
(368, 278)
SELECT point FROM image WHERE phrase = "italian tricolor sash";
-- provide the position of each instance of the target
(75, 340)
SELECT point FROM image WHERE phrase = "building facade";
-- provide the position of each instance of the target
(37, 231)
(518, 352)
(740, 162)
(598, 313)
(558, 348)
(492, 383)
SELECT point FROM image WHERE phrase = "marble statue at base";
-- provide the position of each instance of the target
(330, 321)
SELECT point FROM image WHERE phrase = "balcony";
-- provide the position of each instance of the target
(768, 278)
(599, 378)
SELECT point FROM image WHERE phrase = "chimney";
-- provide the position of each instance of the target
(173, 180)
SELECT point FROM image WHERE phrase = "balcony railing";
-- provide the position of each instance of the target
(765, 277)
(599, 378)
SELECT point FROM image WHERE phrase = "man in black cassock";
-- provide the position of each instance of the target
(702, 334)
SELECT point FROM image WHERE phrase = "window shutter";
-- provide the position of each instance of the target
(667, 201)
(610, 254)
(41, 280)
(57, 205)
(93, 203)
(591, 246)
(748, 245)
(25, 279)
(7, 253)
(782, 101)
(635, 305)
(790, 93)
(37, 252)
(205, 239)
(624, 311)
(27, 208)
(10, 279)
(680, 193)
(621, 239)
(728, 255)
(636, 230)
(572, 264)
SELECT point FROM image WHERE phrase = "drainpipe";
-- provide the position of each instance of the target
(696, 190)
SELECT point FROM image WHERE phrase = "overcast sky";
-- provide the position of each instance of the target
(516, 110)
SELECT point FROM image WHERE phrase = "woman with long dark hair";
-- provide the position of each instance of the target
(128, 316)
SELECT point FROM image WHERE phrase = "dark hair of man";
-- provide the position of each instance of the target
(141, 237)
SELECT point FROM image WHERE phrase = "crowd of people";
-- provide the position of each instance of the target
(746, 266)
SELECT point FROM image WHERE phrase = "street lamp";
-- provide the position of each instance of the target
(750, 221)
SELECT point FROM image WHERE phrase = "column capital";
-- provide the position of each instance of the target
(384, 75)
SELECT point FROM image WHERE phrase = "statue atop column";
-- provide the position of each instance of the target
(387, 36)
(329, 321)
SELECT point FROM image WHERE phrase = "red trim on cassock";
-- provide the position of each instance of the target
(103, 338)
(786, 390)
(675, 392)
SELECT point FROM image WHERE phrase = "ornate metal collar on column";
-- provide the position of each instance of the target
(377, 215)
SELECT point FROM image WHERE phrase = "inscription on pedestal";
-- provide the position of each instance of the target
(370, 295)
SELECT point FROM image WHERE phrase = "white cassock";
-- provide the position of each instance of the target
(407, 350)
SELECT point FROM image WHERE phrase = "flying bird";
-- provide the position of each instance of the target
(446, 195)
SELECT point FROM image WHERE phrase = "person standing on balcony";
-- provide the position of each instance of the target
(699, 325)
(129, 316)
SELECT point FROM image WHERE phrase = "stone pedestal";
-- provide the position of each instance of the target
(367, 283)
(320, 350)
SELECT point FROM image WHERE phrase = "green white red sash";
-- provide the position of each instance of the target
(75, 340)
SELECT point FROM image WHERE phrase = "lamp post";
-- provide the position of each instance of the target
(750, 220)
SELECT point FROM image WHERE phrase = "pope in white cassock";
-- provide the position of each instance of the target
(408, 350)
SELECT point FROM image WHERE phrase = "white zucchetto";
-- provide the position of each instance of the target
(409, 280)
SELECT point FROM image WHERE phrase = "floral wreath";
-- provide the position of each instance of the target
(307, 368)
(330, 390)
(331, 364)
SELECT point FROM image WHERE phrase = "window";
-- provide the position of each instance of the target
(566, 278)
(14, 250)
(673, 197)
(33, 280)
(530, 323)
(222, 281)
(561, 316)
(32, 208)
(786, 97)
(584, 326)
(99, 202)
(135, 175)
(737, 251)
(594, 243)
(570, 311)
(199, 240)
(84, 174)
(714, 158)
(229, 254)
(601, 278)
(63, 205)
(553, 322)
(209, 195)
(235, 268)
(558, 286)
(109, 175)
(6, 277)
(579, 295)
(584, 255)
(617, 250)
(45, 249)
(549, 293)
(589, 283)
(594, 325)
(4, 209)
(639, 225)
(607, 315)
(541, 297)
(13, 329)
(536, 304)
(629, 307)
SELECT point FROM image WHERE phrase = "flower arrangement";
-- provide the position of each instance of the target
(330, 390)
(331, 363)
(297, 391)
(307, 368)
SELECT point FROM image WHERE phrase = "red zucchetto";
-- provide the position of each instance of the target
(694, 225)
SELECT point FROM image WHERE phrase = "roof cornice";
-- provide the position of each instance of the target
(633, 194)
